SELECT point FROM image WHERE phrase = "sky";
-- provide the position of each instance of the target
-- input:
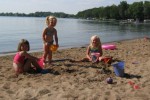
(66, 6)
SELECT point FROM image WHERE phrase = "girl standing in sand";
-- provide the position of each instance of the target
(48, 34)
(24, 62)
(94, 50)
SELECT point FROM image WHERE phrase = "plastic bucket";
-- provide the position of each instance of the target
(95, 57)
(53, 47)
(119, 68)
(40, 62)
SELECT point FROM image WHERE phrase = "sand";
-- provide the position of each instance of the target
(69, 80)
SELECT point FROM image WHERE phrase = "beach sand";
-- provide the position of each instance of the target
(70, 80)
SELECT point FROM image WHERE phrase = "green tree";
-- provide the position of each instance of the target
(147, 10)
(101, 12)
(95, 13)
(137, 10)
(107, 12)
(114, 12)
(123, 8)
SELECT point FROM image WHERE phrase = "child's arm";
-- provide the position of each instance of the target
(27, 55)
(56, 37)
(88, 53)
(43, 35)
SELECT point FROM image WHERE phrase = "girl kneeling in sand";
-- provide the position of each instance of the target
(24, 62)
(94, 50)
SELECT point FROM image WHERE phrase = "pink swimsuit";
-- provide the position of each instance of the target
(19, 59)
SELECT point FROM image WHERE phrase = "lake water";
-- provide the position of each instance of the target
(71, 32)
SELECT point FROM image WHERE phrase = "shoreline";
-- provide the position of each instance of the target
(83, 80)
(41, 50)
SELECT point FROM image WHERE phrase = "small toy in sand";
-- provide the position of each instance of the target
(53, 47)
(107, 60)
(136, 87)
(119, 68)
(135, 62)
(40, 62)
(109, 80)
(95, 57)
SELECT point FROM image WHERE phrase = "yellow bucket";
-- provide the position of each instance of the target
(53, 47)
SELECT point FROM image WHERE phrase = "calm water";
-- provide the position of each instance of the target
(71, 32)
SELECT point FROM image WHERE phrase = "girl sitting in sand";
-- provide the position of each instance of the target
(48, 34)
(24, 62)
(94, 50)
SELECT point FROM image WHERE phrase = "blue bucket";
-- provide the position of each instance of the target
(119, 68)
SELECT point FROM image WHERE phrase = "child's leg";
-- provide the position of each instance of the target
(36, 65)
(46, 50)
(18, 68)
(50, 57)
(27, 66)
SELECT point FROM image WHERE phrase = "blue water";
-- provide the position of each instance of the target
(71, 32)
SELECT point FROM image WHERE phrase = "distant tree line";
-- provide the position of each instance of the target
(39, 14)
(137, 10)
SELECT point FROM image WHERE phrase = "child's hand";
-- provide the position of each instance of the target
(90, 59)
(46, 43)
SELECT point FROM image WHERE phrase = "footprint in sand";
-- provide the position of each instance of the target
(43, 92)
(6, 86)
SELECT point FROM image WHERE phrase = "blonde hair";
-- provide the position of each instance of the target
(23, 41)
(50, 17)
(97, 38)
